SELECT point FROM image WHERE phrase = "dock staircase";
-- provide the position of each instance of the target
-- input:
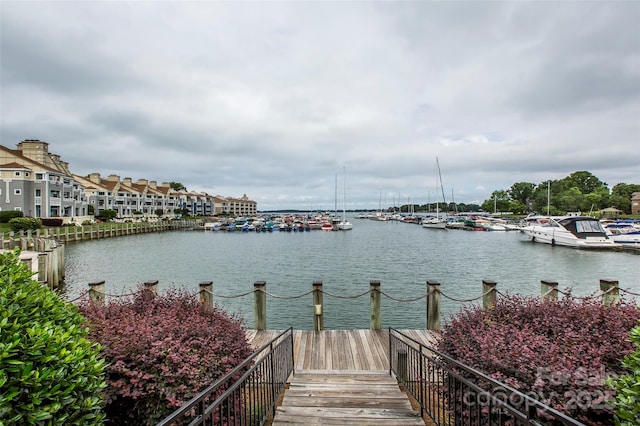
(345, 397)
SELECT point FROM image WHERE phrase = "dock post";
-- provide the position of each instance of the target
(206, 294)
(150, 290)
(489, 294)
(260, 305)
(610, 292)
(376, 317)
(96, 292)
(549, 291)
(42, 267)
(433, 305)
(318, 308)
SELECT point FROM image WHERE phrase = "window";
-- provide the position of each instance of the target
(27, 174)
(38, 193)
(18, 209)
(17, 192)
(39, 176)
(16, 173)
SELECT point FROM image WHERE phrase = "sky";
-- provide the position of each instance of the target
(318, 104)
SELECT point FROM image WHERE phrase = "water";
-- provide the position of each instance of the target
(401, 256)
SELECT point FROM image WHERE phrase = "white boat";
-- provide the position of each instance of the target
(436, 222)
(344, 224)
(571, 231)
(623, 231)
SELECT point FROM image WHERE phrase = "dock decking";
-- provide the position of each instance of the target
(342, 378)
(340, 349)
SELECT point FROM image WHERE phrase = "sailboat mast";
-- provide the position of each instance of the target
(344, 193)
(335, 207)
(440, 179)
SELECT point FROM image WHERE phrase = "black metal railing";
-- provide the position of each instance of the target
(247, 395)
(453, 394)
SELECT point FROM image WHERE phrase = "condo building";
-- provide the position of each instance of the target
(41, 185)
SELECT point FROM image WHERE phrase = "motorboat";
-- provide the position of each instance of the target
(571, 231)
(623, 231)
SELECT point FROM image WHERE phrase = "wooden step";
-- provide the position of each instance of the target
(345, 397)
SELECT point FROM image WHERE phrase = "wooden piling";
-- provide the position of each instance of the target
(96, 292)
(318, 306)
(610, 292)
(489, 294)
(150, 290)
(374, 303)
(549, 291)
(433, 305)
(260, 305)
(206, 294)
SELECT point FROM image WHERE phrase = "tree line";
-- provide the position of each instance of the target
(581, 191)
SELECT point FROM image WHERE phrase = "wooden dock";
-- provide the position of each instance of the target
(342, 377)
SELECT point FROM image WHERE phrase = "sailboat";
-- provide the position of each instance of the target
(436, 222)
(344, 224)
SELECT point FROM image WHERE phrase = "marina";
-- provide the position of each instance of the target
(401, 256)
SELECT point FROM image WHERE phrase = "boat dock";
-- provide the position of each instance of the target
(342, 377)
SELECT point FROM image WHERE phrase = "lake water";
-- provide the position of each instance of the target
(401, 256)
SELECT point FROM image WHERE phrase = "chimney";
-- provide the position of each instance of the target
(95, 178)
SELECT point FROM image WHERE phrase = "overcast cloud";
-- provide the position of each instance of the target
(272, 99)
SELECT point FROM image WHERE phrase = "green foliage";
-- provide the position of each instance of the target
(7, 215)
(49, 372)
(177, 186)
(627, 387)
(90, 209)
(521, 192)
(580, 191)
(24, 224)
(159, 212)
(108, 215)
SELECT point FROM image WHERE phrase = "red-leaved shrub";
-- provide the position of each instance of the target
(161, 351)
(560, 353)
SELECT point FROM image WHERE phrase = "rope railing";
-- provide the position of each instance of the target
(609, 292)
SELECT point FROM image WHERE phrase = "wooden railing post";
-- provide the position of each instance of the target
(96, 292)
(150, 290)
(376, 316)
(549, 291)
(318, 308)
(489, 294)
(610, 292)
(433, 305)
(260, 305)
(206, 294)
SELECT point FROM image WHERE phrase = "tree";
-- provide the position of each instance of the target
(108, 215)
(521, 191)
(177, 186)
(159, 212)
(621, 196)
(584, 181)
(499, 201)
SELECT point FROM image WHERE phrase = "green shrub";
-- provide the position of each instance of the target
(7, 215)
(24, 224)
(49, 372)
(627, 387)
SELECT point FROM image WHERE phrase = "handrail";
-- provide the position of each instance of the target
(242, 397)
(450, 392)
